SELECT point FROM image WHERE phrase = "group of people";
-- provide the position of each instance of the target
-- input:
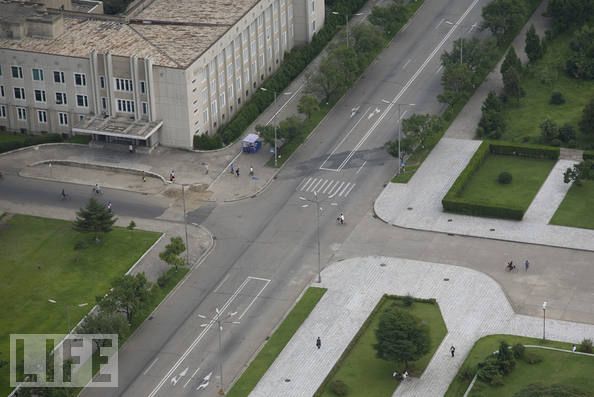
(511, 267)
(96, 190)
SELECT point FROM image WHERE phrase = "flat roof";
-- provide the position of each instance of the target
(172, 33)
(122, 127)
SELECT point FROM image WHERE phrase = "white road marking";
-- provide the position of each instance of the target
(285, 104)
(355, 110)
(198, 339)
(323, 184)
(306, 182)
(348, 191)
(177, 378)
(406, 64)
(316, 185)
(407, 85)
(360, 168)
(330, 184)
(150, 366)
(403, 114)
(255, 297)
(342, 141)
(439, 69)
(205, 382)
(306, 186)
(344, 190)
(336, 191)
(222, 282)
(191, 377)
(440, 22)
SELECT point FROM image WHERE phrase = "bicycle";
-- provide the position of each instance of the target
(65, 197)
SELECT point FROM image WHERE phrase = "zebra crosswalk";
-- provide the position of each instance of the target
(330, 187)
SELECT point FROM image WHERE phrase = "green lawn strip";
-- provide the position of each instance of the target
(364, 373)
(4, 137)
(528, 175)
(82, 139)
(576, 208)
(276, 343)
(310, 124)
(523, 120)
(38, 263)
(556, 368)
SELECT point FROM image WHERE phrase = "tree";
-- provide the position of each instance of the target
(390, 17)
(369, 40)
(104, 323)
(492, 123)
(569, 13)
(290, 127)
(556, 390)
(511, 84)
(266, 132)
(579, 172)
(534, 49)
(456, 81)
(172, 251)
(503, 18)
(308, 105)
(580, 64)
(511, 61)
(94, 218)
(549, 131)
(476, 53)
(401, 337)
(336, 73)
(129, 295)
(587, 122)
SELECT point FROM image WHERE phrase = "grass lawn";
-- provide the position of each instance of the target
(38, 263)
(276, 343)
(364, 373)
(5, 137)
(523, 121)
(556, 368)
(576, 208)
(528, 175)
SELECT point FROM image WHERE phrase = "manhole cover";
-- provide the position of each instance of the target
(382, 265)
(492, 230)
(446, 279)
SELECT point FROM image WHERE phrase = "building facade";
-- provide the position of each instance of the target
(162, 74)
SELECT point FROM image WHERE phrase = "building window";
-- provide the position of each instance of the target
(63, 118)
(142, 87)
(313, 27)
(213, 108)
(61, 98)
(144, 107)
(205, 116)
(285, 39)
(104, 103)
(0, 70)
(213, 85)
(239, 84)
(2, 112)
(230, 92)
(125, 106)
(42, 116)
(81, 117)
(80, 79)
(38, 74)
(22, 114)
(124, 85)
(17, 72)
(82, 101)
(313, 6)
(40, 96)
(1, 91)
(19, 93)
(102, 81)
(222, 99)
(59, 77)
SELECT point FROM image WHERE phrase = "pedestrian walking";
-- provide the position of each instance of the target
(452, 350)
(109, 205)
(526, 265)
(172, 176)
(574, 348)
(232, 168)
(318, 342)
(251, 171)
(237, 171)
(131, 148)
(206, 168)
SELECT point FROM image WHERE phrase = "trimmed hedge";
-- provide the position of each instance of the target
(294, 63)
(30, 140)
(588, 155)
(452, 202)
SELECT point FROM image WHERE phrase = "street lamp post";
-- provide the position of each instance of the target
(273, 117)
(186, 226)
(346, 18)
(461, 38)
(399, 134)
(544, 320)
(217, 319)
(317, 203)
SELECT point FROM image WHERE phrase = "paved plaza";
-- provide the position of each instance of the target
(472, 305)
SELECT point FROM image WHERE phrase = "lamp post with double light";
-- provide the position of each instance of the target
(346, 18)
(272, 119)
(399, 105)
(544, 320)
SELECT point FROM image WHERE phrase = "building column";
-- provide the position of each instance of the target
(135, 85)
(150, 93)
(108, 65)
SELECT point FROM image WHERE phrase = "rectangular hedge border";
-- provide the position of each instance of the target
(588, 155)
(452, 202)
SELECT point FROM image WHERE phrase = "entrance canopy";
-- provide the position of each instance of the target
(119, 130)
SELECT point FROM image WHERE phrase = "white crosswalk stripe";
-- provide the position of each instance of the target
(330, 187)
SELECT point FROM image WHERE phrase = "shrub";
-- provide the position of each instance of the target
(557, 98)
(339, 388)
(408, 300)
(207, 142)
(524, 150)
(467, 373)
(504, 178)
(165, 277)
(532, 358)
(585, 346)
(131, 225)
(518, 350)
(567, 133)
(81, 245)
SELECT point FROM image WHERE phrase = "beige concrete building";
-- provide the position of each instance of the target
(161, 74)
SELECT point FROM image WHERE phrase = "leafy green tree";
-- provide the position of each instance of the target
(587, 122)
(308, 105)
(129, 295)
(476, 53)
(580, 64)
(171, 254)
(511, 61)
(401, 337)
(549, 130)
(369, 41)
(336, 73)
(556, 390)
(567, 14)
(456, 81)
(579, 172)
(492, 123)
(534, 49)
(94, 218)
(266, 132)
(290, 127)
(503, 18)
(512, 84)
(389, 18)
(104, 323)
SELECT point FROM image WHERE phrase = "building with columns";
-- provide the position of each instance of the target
(161, 74)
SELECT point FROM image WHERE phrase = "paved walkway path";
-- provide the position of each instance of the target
(417, 204)
(471, 303)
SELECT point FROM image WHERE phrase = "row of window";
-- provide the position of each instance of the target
(41, 115)
(80, 79)
(128, 106)
(40, 97)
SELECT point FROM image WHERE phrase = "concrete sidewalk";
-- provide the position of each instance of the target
(471, 303)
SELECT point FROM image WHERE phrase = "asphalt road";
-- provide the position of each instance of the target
(266, 248)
